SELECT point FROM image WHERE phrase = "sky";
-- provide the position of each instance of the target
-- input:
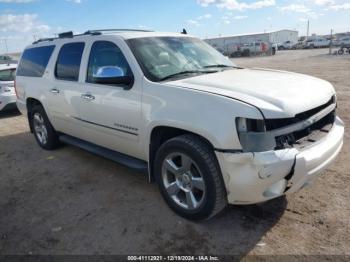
(23, 21)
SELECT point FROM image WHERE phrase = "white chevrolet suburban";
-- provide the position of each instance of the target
(208, 132)
(7, 90)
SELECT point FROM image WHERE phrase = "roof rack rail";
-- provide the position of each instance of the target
(117, 30)
(44, 40)
(70, 34)
(66, 35)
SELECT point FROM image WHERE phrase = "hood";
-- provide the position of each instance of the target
(278, 94)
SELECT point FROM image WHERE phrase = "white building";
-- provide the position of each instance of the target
(274, 37)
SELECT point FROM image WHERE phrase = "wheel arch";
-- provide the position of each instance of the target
(159, 135)
(31, 103)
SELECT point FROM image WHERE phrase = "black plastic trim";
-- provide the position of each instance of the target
(125, 160)
(290, 175)
(229, 151)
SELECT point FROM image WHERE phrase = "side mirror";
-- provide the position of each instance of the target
(112, 75)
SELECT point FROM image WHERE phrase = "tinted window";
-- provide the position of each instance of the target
(34, 61)
(68, 61)
(103, 54)
(7, 75)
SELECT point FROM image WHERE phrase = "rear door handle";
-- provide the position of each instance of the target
(55, 91)
(88, 97)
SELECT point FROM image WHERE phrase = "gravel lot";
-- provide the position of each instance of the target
(72, 202)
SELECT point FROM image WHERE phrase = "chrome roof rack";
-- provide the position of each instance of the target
(44, 40)
(70, 34)
(117, 30)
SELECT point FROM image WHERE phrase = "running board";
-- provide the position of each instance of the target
(128, 161)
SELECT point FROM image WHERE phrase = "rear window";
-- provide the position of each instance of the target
(7, 75)
(68, 61)
(34, 61)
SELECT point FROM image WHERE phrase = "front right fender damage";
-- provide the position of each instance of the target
(256, 177)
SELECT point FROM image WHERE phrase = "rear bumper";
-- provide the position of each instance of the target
(22, 107)
(7, 100)
(257, 177)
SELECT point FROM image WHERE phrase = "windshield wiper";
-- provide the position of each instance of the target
(186, 73)
(219, 65)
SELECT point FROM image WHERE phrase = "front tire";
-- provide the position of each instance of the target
(189, 178)
(44, 132)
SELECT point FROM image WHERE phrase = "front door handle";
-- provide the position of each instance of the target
(88, 97)
(55, 91)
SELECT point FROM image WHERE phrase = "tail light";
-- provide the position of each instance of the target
(14, 84)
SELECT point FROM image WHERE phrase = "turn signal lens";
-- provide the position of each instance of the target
(14, 84)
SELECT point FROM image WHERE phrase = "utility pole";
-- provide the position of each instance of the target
(331, 42)
(5, 42)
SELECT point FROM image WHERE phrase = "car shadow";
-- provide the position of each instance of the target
(247, 225)
(235, 232)
(9, 113)
(108, 209)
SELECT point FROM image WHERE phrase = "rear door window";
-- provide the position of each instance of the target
(34, 61)
(7, 75)
(68, 61)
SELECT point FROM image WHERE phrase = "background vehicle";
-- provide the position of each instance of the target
(233, 50)
(345, 42)
(299, 45)
(344, 50)
(318, 43)
(286, 45)
(7, 90)
(209, 132)
(255, 48)
(5, 59)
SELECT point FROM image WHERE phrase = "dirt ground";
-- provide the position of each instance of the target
(72, 202)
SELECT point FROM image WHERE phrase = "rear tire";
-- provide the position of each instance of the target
(189, 178)
(43, 131)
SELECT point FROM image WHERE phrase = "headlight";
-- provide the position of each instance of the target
(253, 136)
(250, 125)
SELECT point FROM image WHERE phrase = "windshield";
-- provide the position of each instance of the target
(7, 75)
(162, 58)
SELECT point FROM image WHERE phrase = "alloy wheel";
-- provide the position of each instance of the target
(40, 128)
(183, 181)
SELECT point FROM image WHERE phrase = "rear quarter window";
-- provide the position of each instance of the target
(34, 61)
(68, 61)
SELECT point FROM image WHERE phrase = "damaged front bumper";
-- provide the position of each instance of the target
(257, 177)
